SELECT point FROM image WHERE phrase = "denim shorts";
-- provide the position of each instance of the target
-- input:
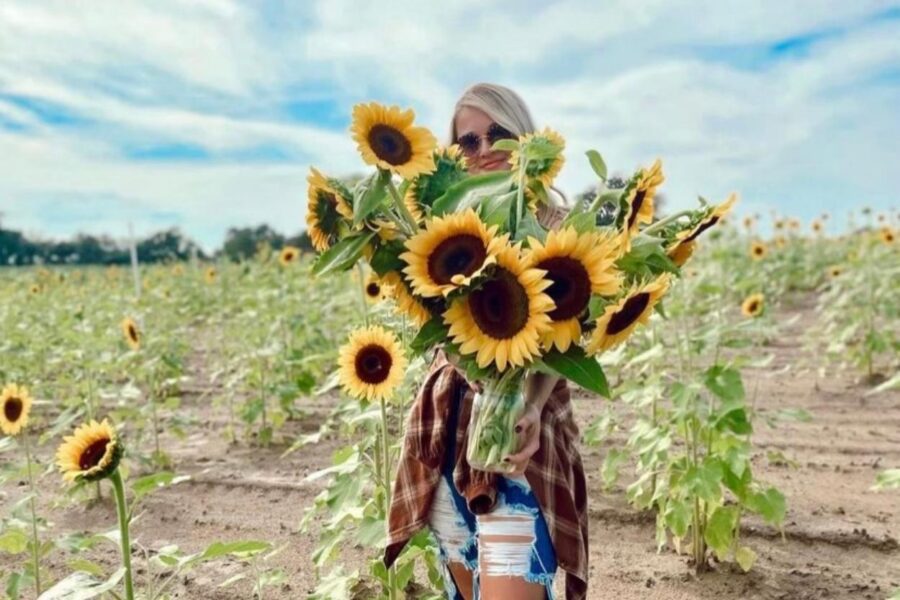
(462, 535)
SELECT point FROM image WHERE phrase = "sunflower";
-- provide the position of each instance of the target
(779, 224)
(35, 289)
(449, 252)
(620, 319)
(753, 305)
(887, 235)
(16, 404)
(449, 168)
(210, 275)
(328, 202)
(387, 139)
(91, 453)
(816, 226)
(680, 252)
(835, 271)
(780, 242)
(374, 288)
(288, 255)
(748, 222)
(503, 320)
(578, 267)
(406, 303)
(758, 250)
(372, 363)
(549, 145)
(131, 332)
(716, 215)
(639, 197)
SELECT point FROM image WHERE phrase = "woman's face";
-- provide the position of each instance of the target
(474, 124)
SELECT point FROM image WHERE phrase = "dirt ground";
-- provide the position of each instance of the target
(840, 539)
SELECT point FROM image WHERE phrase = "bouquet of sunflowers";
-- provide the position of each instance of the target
(466, 259)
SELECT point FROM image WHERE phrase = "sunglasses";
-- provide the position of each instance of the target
(470, 143)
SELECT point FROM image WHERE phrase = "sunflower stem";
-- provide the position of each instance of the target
(35, 543)
(362, 290)
(386, 476)
(520, 192)
(409, 222)
(122, 510)
(653, 228)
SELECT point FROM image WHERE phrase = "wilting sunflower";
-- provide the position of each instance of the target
(449, 252)
(91, 453)
(578, 266)
(132, 333)
(373, 288)
(288, 255)
(406, 303)
(753, 305)
(372, 363)
(639, 197)
(15, 405)
(680, 252)
(835, 271)
(449, 168)
(386, 138)
(684, 245)
(503, 320)
(887, 235)
(551, 145)
(328, 202)
(758, 250)
(211, 275)
(621, 318)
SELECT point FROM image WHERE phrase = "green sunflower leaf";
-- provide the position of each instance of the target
(342, 255)
(597, 163)
(369, 195)
(387, 257)
(469, 192)
(578, 368)
(431, 333)
(505, 145)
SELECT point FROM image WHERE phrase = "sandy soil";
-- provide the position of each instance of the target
(840, 539)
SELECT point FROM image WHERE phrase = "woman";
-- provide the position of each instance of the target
(500, 536)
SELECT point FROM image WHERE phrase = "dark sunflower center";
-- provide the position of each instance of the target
(703, 227)
(500, 306)
(753, 306)
(758, 250)
(571, 287)
(132, 333)
(631, 312)
(373, 289)
(373, 364)
(327, 212)
(12, 409)
(636, 206)
(93, 454)
(389, 144)
(457, 255)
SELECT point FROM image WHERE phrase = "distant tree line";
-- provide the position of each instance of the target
(241, 243)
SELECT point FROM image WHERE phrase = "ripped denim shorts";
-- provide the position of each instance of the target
(512, 540)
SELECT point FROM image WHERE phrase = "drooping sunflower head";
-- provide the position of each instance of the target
(714, 215)
(578, 266)
(639, 196)
(91, 453)
(681, 251)
(288, 255)
(758, 250)
(387, 138)
(545, 152)
(405, 301)
(887, 235)
(374, 289)
(502, 321)
(372, 363)
(753, 305)
(132, 333)
(449, 169)
(449, 252)
(620, 319)
(15, 406)
(328, 204)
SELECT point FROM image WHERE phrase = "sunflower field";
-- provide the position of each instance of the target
(231, 430)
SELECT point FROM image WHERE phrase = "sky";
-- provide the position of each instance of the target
(207, 114)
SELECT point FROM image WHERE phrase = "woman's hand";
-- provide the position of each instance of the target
(538, 388)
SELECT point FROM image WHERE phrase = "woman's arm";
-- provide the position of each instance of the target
(538, 387)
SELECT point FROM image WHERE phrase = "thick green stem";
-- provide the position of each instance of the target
(520, 192)
(663, 222)
(35, 543)
(410, 222)
(386, 475)
(362, 296)
(122, 510)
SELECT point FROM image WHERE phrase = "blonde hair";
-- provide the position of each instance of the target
(503, 106)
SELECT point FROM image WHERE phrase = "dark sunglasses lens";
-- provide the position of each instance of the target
(468, 143)
(497, 133)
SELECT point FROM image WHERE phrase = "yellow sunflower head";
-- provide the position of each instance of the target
(639, 197)
(716, 215)
(758, 250)
(816, 226)
(178, 270)
(91, 453)
(546, 151)
(779, 224)
(449, 252)
(288, 255)
(372, 363)
(753, 305)
(132, 333)
(780, 242)
(887, 235)
(386, 138)
(404, 300)
(374, 289)
(449, 169)
(15, 406)
(504, 318)
(578, 266)
(620, 319)
(835, 271)
(328, 204)
(681, 251)
(210, 275)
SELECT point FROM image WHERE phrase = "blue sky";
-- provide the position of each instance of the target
(207, 114)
